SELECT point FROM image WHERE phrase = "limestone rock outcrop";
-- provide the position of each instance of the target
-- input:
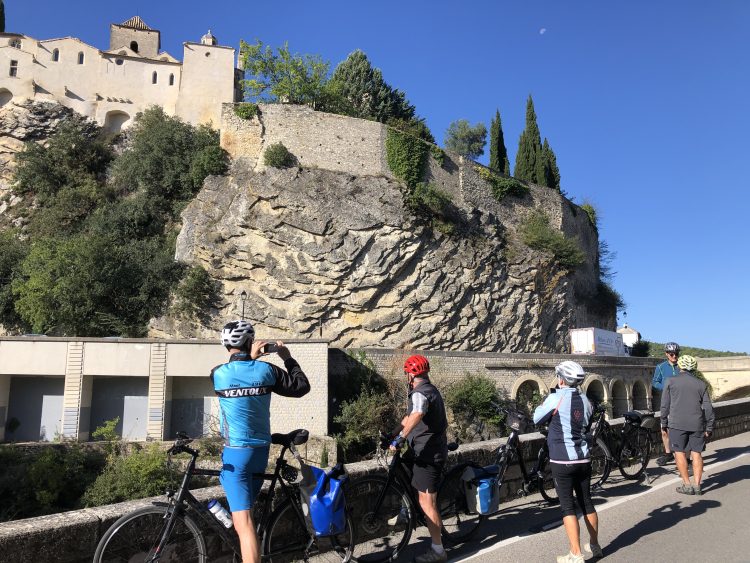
(327, 254)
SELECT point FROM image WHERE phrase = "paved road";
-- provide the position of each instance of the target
(639, 522)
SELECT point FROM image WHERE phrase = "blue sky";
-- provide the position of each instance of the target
(645, 104)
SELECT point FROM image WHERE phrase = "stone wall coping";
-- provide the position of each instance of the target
(117, 339)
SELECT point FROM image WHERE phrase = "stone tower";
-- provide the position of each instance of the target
(135, 35)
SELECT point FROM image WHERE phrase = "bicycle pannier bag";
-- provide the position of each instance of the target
(323, 500)
(482, 489)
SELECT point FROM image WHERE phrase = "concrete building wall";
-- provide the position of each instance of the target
(35, 408)
(155, 386)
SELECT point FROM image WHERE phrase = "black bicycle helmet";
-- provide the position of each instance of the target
(672, 347)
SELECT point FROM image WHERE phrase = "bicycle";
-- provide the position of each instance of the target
(632, 445)
(173, 531)
(387, 510)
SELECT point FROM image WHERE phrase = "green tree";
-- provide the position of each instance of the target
(499, 162)
(2, 16)
(282, 76)
(73, 156)
(95, 285)
(167, 157)
(466, 140)
(364, 93)
(529, 147)
(547, 173)
(13, 251)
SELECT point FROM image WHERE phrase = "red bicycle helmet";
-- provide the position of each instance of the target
(417, 365)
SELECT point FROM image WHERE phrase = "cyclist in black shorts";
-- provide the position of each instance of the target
(424, 428)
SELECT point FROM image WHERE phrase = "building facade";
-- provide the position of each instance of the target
(111, 86)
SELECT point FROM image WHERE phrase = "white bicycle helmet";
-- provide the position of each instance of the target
(570, 372)
(237, 334)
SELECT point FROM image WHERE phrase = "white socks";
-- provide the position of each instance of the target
(438, 548)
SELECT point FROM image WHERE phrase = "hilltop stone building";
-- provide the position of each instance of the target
(111, 86)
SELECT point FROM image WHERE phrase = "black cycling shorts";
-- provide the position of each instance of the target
(426, 476)
(686, 441)
(570, 477)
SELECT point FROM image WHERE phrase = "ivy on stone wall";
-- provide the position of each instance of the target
(406, 156)
(246, 110)
(438, 155)
(537, 233)
(501, 186)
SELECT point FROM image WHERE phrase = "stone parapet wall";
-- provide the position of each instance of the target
(316, 139)
(71, 537)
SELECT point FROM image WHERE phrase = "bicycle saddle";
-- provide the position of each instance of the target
(633, 417)
(296, 437)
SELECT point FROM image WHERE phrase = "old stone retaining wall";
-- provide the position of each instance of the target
(71, 537)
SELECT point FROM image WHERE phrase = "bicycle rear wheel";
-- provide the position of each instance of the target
(286, 538)
(459, 524)
(135, 536)
(545, 481)
(600, 464)
(380, 532)
(635, 453)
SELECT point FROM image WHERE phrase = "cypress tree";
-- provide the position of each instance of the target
(2, 16)
(498, 153)
(529, 147)
(551, 165)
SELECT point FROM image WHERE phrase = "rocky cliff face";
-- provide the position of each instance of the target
(323, 253)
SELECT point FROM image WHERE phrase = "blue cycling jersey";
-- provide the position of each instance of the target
(568, 412)
(663, 371)
(244, 388)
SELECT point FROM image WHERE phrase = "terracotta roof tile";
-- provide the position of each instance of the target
(136, 23)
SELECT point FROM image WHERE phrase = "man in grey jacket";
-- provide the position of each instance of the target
(687, 414)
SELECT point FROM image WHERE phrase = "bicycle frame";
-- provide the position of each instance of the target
(397, 473)
(183, 496)
(511, 451)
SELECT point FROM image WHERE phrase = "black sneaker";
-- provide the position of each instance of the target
(665, 459)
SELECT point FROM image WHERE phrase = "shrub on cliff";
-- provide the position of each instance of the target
(278, 156)
(167, 157)
(73, 155)
(537, 233)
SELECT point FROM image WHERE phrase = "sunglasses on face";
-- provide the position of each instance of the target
(671, 353)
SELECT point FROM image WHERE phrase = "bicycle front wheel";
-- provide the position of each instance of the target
(383, 517)
(286, 538)
(635, 453)
(545, 481)
(135, 537)
(600, 464)
(459, 523)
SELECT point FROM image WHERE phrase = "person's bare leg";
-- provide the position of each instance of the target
(665, 441)
(680, 460)
(428, 502)
(697, 467)
(245, 527)
(573, 530)
(592, 525)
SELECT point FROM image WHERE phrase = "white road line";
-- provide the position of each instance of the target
(600, 508)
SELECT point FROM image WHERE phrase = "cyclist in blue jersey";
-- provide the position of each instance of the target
(666, 369)
(568, 412)
(244, 386)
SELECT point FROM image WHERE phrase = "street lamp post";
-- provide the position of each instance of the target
(243, 298)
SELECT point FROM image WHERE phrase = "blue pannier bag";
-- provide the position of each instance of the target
(482, 489)
(323, 499)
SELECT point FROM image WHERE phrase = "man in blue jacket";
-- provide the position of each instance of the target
(244, 386)
(668, 368)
